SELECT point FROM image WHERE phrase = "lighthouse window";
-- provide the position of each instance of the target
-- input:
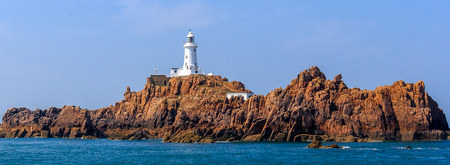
(190, 39)
(195, 50)
(196, 71)
(186, 57)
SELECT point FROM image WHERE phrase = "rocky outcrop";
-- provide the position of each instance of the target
(318, 144)
(195, 109)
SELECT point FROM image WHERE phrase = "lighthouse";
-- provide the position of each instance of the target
(190, 65)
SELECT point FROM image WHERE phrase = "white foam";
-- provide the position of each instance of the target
(373, 149)
(345, 147)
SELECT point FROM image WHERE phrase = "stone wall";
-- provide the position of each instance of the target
(159, 80)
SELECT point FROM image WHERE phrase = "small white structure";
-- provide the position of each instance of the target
(190, 65)
(246, 95)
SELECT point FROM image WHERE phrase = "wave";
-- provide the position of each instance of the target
(402, 148)
(429, 148)
(345, 147)
(419, 148)
(373, 149)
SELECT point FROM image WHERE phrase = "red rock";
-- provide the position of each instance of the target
(195, 109)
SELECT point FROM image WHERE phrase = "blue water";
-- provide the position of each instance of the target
(103, 151)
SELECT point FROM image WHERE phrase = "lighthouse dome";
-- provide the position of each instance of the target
(190, 34)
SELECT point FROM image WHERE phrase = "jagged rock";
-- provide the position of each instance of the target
(195, 109)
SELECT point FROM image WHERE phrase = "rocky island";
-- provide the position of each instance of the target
(195, 108)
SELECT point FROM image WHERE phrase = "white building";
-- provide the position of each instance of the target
(190, 65)
(246, 95)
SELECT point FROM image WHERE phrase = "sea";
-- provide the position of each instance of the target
(104, 151)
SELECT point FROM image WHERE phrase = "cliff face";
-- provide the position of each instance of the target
(195, 109)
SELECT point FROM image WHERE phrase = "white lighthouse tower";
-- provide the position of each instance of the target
(190, 65)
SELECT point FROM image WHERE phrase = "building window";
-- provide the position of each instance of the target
(186, 56)
(195, 50)
(196, 71)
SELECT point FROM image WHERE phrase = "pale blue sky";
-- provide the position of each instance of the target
(84, 52)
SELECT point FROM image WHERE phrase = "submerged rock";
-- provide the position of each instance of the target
(252, 138)
(188, 138)
(314, 144)
(318, 144)
(332, 146)
(88, 137)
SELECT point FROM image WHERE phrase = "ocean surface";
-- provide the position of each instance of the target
(103, 151)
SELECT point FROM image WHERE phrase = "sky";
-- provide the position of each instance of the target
(85, 53)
